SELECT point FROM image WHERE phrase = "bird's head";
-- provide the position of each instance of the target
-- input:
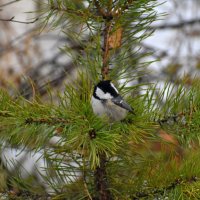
(105, 90)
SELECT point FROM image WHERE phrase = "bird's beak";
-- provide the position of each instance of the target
(120, 102)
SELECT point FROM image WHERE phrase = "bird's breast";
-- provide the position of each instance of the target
(109, 109)
(115, 112)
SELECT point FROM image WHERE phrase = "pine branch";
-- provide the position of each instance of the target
(85, 132)
(173, 185)
(49, 121)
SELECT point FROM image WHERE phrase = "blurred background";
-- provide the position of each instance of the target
(27, 50)
(34, 56)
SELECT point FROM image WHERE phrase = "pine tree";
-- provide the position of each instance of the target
(138, 158)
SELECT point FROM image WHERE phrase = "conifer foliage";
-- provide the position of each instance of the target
(142, 157)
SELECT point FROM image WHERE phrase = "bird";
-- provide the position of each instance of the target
(106, 101)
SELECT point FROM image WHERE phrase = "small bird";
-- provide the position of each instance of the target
(106, 101)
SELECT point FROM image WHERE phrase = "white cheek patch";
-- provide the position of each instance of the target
(103, 95)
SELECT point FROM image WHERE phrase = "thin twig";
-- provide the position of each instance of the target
(17, 21)
(11, 2)
(70, 11)
(176, 25)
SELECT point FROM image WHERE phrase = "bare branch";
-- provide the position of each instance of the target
(17, 21)
(176, 25)
(11, 2)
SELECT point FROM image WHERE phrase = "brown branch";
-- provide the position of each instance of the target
(21, 22)
(101, 181)
(110, 41)
(100, 174)
(100, 10)
(106, 52)
(108, 26)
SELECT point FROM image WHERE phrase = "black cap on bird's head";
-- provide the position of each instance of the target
(105, 90)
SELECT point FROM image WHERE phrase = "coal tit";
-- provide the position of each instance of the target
(106, 101)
